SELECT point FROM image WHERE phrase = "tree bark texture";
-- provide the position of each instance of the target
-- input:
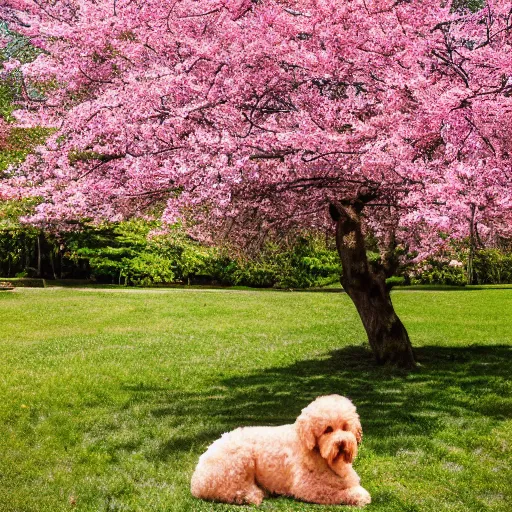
(40, 241)
(387, 335)
(472, 245)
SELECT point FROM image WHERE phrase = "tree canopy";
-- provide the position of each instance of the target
(265, 112)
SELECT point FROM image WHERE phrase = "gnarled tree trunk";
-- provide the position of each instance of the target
(387, 335)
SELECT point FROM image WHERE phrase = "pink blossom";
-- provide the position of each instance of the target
(10, 65)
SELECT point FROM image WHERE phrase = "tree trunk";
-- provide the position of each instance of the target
(387, 335)
(40, 240)
(52, 263)
(472, 244)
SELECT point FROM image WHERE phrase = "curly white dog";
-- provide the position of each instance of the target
(310, 460)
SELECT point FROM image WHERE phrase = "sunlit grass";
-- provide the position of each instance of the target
(107, 398)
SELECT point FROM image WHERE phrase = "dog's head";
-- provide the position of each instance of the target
(331, 425)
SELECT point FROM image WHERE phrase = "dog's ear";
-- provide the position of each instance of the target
(349, 452)
(358, 432)
(304, 430)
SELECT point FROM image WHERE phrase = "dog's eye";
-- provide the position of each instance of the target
(328, 430)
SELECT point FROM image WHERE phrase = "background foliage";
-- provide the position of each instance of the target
(137, 252)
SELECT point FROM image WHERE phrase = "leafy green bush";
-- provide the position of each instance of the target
(434, 271)
(260, 274)
(148, 268)
(395, 281)
(122, 253)
(491, 266)
(135, 252)
(306, 263)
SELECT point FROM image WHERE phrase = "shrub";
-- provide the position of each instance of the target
(491, 266)
(434, 271)
(125, 253)
(303, 264)
(395, 281)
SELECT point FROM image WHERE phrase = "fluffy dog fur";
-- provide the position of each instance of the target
(310, 460)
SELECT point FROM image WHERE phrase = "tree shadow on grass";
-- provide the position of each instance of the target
(395, 407)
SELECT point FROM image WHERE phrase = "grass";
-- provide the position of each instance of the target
(108, 397)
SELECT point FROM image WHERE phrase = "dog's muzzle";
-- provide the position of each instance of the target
(338, 447)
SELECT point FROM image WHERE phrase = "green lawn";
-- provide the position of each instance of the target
(107, 398)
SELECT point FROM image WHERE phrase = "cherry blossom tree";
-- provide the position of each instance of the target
(378, 117)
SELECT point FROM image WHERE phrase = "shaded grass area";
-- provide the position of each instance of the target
(108, 398)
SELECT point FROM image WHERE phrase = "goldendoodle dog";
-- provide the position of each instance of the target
(310, 460)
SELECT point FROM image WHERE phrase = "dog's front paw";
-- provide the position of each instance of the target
(358, 496)
(251, 496)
